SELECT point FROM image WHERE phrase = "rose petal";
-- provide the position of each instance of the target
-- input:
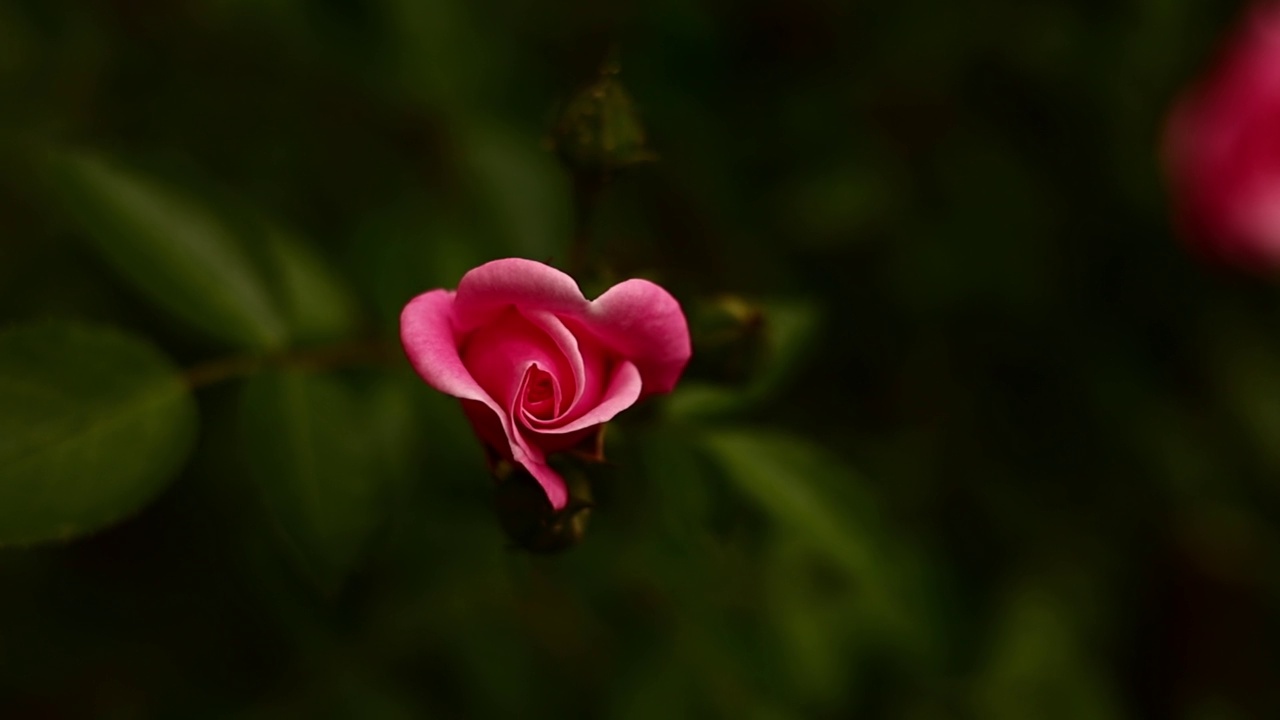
(584, 377)
(552, 484)
(644, 324)
(489, 427)
(1221, 150)
(430, 343)
(499, 354)
(490, 289)
(426, 332)
(623, 391)
(530, 455)
(539, 394)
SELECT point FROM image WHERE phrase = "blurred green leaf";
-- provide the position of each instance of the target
(815, 614)
(318, 304)
(439, 54)
(819, 500)
(312, 450)
(1038, 666)
(788, 330)
(93, 423)
(521, 190)
(183, 254)
(694, 399)
(783, 474)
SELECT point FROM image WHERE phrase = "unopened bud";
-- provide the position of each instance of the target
(729, 334)
(599, 131)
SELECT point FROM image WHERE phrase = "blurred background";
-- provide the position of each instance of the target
(969, 432)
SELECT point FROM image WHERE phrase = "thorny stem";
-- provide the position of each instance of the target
(325, 357)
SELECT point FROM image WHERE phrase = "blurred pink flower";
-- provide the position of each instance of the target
(540, 368)
(1222, 147)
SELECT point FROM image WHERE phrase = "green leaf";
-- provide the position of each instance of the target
(816, 498)
(322, 469)
(317, 303)
(521, 190)
(1039, 664)
(782, 474)
(815, 617)
(184, 255)
(440, 55)
(790, 328)
(93, 424)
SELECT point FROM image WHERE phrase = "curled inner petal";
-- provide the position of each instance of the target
(574, 353)
(541, 394)
(622, 391)
(500, 357)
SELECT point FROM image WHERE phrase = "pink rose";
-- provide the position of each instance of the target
(1222, 147)
(539, 367)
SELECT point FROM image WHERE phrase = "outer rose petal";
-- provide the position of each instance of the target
(426, 332)
(488, 290)
(636, 319)
(552, 484)
(488, 427)
(646, 326)
(429, 341)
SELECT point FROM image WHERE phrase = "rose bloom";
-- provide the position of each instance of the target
(538, 367)
(1222, 147)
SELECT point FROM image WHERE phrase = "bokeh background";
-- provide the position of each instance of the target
(969, 433)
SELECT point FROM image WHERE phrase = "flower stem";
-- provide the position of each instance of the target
(586, 192)
(325, 357)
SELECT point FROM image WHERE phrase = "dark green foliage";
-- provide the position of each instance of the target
(93, 424)
(311, 446)
(183, 255)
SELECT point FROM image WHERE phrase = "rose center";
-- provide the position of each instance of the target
(540, 394)
(540, 390)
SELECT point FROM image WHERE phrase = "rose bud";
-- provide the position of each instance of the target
(1222, 147)
(730, 334)
(538, 367)
(599, 131)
